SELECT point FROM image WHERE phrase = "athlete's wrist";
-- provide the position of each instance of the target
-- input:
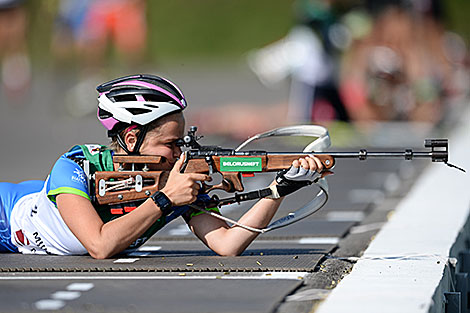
(163, 202)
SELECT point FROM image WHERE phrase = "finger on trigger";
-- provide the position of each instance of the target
(200, 177)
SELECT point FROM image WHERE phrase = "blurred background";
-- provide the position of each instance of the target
(375, 72)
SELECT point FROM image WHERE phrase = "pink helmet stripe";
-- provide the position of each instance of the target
(152, 86)
(109, 122)
(176, 87)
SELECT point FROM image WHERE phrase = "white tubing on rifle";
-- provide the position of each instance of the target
(321, 133)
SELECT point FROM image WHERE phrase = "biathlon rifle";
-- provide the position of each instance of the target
(138, 177)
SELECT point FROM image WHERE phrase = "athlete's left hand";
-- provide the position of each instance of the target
(306, 169)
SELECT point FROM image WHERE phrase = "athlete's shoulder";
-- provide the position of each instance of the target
(67, 176)
(82, 151)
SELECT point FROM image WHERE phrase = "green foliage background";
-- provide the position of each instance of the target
(210, 30)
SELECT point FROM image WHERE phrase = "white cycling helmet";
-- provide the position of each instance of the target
(136, 100)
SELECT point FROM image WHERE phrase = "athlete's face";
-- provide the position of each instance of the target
(162, 141)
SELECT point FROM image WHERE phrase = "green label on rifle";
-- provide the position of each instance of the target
(236, 164)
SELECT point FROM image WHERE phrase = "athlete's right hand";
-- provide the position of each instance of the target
(183, 188)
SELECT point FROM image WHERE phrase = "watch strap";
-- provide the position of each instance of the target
(163, 202)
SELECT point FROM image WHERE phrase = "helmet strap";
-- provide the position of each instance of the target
(138, 144)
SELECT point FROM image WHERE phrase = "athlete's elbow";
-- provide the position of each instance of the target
(100, 252)
(229, 254)
(229, 251)
(98, 255)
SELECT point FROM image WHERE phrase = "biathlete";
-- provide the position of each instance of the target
(143, 115)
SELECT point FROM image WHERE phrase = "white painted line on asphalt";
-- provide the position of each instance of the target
(266, 275)
(49, 305)
(126, 260)
(318, 240)
(345, 216)
(80, 286)
(392, 183)
(58, 298)
(366, 196)
(149, 248)
(144, 251)
(65, 295)
(139, 254)
(284, 275)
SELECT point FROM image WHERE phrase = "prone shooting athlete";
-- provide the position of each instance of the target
(143, 114)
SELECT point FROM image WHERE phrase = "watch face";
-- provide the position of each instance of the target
(161, 200)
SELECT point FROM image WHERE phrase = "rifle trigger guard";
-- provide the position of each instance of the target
(217, 181)
(224, 185)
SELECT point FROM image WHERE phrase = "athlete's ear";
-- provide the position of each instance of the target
(130, 139)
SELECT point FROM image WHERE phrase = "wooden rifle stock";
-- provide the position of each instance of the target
(138, 177)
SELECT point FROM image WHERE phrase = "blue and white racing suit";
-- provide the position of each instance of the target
(30, 221)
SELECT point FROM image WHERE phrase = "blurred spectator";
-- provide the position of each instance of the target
(400, 70)
(15, 63)
(87, 28)
(309, 55)
(70, 27)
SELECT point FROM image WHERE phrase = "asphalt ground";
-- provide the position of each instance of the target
(287, 270)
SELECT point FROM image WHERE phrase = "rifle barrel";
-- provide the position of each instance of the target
(367, 154)
(364, 154)
(438, 152)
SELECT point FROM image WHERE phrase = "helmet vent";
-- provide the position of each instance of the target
(104, 114)
(122, 98)
(138, 111)
(156, 98)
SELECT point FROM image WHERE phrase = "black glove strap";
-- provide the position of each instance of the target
(281, 180)
(285, 189)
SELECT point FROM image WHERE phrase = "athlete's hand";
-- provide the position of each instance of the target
(306, 169)
(183, 188)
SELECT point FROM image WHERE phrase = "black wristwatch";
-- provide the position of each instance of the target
(163, 202)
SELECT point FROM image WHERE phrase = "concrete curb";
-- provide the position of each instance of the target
(405, 263)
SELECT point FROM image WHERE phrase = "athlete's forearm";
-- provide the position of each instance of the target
(258, 216)
(119, 234)
(103, 240)
(232, 241)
